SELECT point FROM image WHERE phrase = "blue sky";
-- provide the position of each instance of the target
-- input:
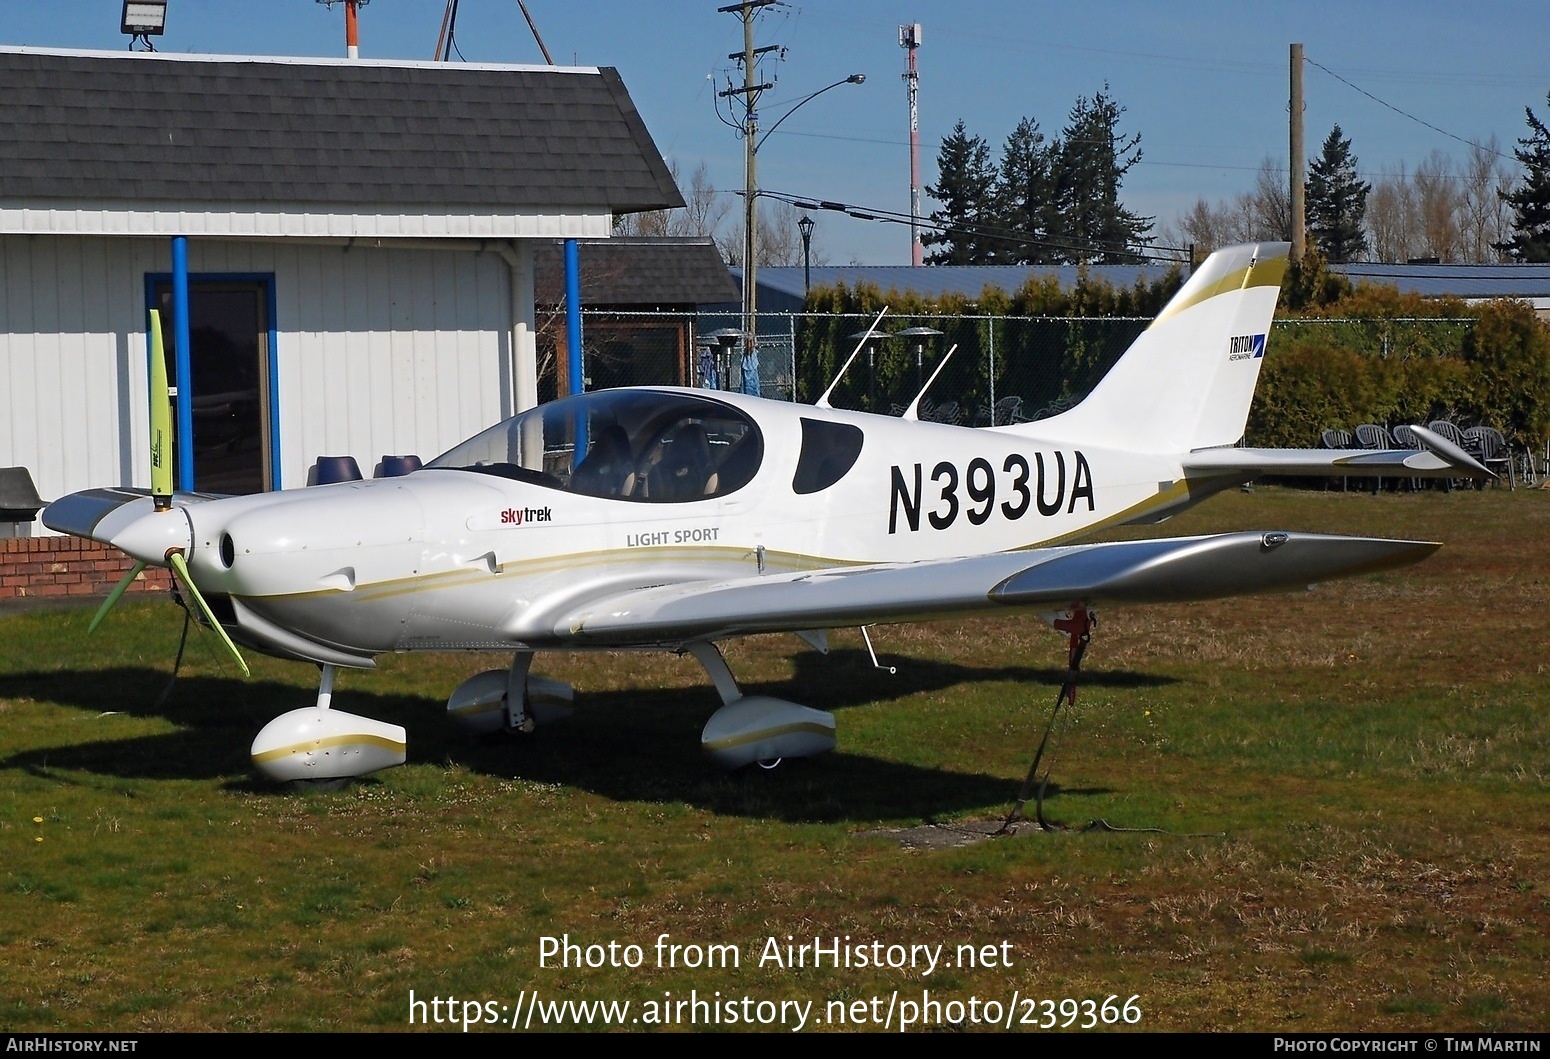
(1205, 84)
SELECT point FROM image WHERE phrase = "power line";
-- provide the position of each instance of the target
(1405, 113)
(1146, 251)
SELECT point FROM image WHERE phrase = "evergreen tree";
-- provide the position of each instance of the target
(1530, 200)
(965, 187)
(1337, 202)
(1024, 199)
(1093, 160)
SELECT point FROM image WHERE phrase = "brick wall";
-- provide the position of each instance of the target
(65, 567)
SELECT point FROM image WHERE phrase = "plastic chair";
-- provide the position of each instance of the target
(1488, 446)
(1335, 438)
(1447, 431)
(1372, 436)
(1007, 410)
(1405, 438)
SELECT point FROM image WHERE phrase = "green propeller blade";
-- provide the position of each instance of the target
(113, 597)
(161, 418)
(180, 568)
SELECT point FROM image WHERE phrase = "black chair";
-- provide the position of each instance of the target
(1487, 445)
(1372, 436)
(1406, 438)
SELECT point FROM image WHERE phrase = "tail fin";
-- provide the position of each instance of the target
(1186, 383)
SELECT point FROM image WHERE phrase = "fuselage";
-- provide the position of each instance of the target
(495, 543)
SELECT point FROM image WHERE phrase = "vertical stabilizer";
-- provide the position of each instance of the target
(1187, 381)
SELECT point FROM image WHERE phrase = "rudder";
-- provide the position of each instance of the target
(1186, 383)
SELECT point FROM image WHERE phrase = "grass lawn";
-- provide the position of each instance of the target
(1341, 801)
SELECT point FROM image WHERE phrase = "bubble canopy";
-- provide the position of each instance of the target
(651, 446)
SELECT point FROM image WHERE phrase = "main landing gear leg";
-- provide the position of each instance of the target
(517, 717)
(759, 729)
(510, 699)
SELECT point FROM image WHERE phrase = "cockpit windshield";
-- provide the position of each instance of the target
(644, 445)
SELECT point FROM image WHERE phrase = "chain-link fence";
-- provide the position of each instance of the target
(1004, 369)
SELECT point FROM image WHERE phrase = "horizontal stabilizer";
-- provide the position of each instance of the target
(1165, 570)
(1352, 463)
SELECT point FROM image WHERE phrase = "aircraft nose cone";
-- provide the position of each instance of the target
(149, 537)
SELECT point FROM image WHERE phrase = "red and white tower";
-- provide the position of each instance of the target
(909, 40)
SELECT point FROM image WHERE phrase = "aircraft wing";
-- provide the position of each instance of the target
(1148, 571)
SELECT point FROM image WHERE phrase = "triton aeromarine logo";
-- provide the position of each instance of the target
(1246, 347)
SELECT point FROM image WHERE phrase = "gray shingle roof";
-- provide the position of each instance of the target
(85, 126)
(639, 273)
(1455, 280)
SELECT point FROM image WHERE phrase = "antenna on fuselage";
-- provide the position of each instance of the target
(823, 402)
(913, 411)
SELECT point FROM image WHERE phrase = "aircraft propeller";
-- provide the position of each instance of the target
(161, 494)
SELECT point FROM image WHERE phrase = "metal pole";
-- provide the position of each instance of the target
(792, 320)
(180, 331)
(1299, 216)
(992, 345)
(573, 316)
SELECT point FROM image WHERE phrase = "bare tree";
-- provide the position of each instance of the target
(1204, 227)
(1483, 214)
(1262, 214)
(1393, 218)
(1438, 200)
(702, 215)
(778, 237)
(1268, 208)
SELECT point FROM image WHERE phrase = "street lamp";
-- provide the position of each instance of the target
(806, 226)
(752, 141)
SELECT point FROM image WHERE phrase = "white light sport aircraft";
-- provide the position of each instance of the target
(670, 519)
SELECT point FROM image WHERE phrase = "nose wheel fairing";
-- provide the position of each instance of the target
(318, 743)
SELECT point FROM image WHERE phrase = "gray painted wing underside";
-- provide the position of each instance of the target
(1150, 571)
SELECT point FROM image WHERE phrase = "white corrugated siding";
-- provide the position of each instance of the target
(380, 350)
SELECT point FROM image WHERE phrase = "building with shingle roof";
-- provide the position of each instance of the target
(360, 239)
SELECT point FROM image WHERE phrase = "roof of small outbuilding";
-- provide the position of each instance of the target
(137, 126)
(639, 272)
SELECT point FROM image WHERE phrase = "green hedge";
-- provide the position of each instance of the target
(1489, 364)
(1340, 357)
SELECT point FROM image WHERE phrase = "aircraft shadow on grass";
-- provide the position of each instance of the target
(637, 744)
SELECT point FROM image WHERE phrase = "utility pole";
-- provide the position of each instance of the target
(750, 92)
(1299, 209)
(909, 39)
